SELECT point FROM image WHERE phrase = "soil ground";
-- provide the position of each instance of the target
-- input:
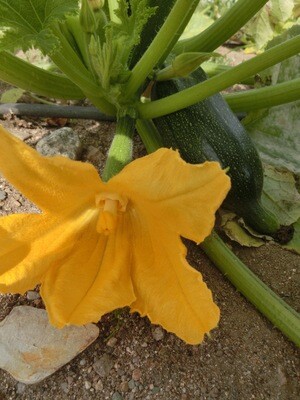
(245, 358)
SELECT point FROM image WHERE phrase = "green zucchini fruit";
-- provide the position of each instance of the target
(209, 130)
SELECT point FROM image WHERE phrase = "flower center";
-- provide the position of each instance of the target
(111, 205)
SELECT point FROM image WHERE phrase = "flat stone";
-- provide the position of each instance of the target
(64, 142)
(103, 365)
(31, 349)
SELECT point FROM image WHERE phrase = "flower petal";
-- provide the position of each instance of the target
(169, 291)
(29, 244)
(93, 281)
(53, 183)
(184, 196)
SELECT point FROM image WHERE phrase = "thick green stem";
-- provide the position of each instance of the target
(120, 152)
(221, 30)
(219, 82)
(266, 97)
(162, 43)
(259, 294)
(212, 69)
(149, 134)
(20, 73)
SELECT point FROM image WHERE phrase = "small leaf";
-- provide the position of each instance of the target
(236, 232)
(11, 95)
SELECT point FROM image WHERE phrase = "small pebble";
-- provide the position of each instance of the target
(32, 295)
(131, 384)
(124, 387)
(87, 385)
(158, 333)
(136, 374)
(98, 386)
(103, 365)
(116, 396)
(112, 342)
(82, 362)
(21, 387)
(155, 390)
(65, 387)
(3, 195)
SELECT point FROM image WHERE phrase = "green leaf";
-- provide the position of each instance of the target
(281, 10)
(27, 23)
(280, 195)
(11, 95)
(260, 28)
(275, 131)
(198, 23)
(294, 244)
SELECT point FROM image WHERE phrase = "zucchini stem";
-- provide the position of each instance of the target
(120, 152)
(149, 134)
(162, 44)
(219, 82)
(260, 295)
(222, 29)
(270, 96)
(21, 73)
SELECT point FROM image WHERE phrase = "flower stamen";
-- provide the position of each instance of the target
(110, 204)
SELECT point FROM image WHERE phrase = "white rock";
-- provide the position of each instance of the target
(31, 349)
(64, 142)
(32, 295)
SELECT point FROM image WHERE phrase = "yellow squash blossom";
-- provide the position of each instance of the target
(100, 246)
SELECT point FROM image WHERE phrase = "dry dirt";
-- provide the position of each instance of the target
(245, 358)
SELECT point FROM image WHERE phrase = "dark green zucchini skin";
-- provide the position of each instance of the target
(152, 27)
(210, 131)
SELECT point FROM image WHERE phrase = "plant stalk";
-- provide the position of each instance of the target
(120, 152)
(270, 96)
(162, 44)
(219, 82)
(260, 295)
(212, 69)
(222, 29)
(20, 73)
(149, 134)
